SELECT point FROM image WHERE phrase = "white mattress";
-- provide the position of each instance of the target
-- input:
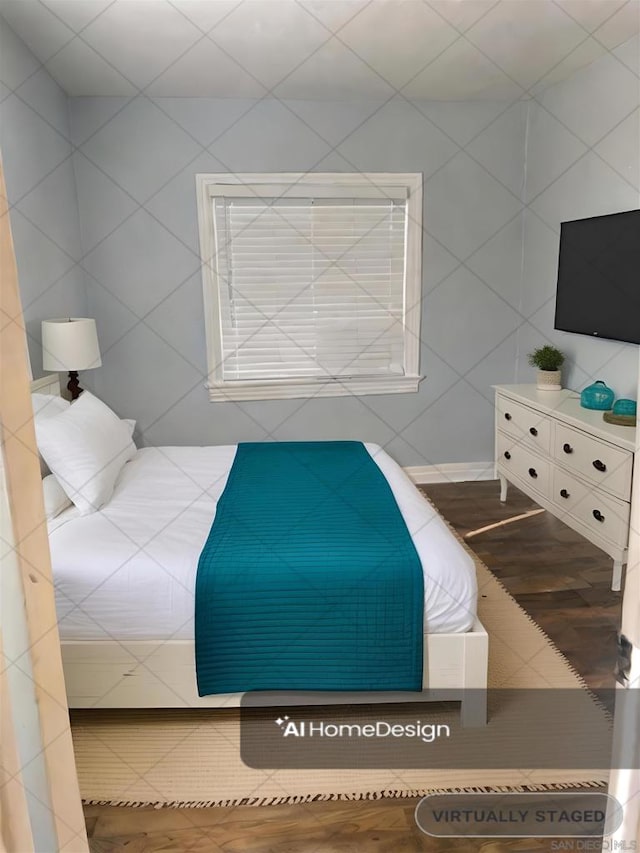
(128, 571)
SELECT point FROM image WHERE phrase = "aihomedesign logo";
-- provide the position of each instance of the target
(426, 732)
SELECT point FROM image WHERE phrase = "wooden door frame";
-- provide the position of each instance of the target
(31, 549)
(624, 784)
(15, 834)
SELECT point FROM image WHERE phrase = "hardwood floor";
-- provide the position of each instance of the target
(561, 579)
(558, 577)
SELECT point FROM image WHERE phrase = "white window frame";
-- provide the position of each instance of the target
(209, 186)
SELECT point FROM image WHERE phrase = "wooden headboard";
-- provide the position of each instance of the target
(47, 385)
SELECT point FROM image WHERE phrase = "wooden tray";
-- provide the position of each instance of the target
(619, 420)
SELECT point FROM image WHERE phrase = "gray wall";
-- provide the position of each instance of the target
(36, 151)
(135, 165)
(583, 159)
(499, 179)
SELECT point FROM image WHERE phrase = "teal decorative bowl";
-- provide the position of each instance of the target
(597, 396)
(624, 407)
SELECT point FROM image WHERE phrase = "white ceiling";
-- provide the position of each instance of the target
(319, 49)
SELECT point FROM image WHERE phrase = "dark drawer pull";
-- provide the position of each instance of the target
(598, 515)
(567, 448)
(507, 416)
(533, 430)
(507, 455)
(533, 473)
(598, 465)
(564, 493)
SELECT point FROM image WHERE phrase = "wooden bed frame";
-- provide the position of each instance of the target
(161, 674)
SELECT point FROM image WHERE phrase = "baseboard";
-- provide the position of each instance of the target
(451, 472)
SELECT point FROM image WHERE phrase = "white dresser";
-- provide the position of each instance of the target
(569, 461)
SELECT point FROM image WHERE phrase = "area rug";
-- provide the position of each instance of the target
(192, 758)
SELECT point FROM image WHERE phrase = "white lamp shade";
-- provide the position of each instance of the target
(70, 344)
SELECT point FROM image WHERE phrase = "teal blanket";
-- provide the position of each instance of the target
(309, 579)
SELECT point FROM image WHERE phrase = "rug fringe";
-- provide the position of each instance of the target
(346, 797)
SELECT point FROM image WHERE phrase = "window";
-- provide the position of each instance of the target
(311, 283)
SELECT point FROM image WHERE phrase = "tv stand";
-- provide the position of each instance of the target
(569, 461)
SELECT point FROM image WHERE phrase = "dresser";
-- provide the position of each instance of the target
(569, 461)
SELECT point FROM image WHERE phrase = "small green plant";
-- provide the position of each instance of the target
(546, 358)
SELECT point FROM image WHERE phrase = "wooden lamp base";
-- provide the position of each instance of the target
(73, 386)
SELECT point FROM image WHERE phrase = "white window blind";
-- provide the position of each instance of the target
(310, 287)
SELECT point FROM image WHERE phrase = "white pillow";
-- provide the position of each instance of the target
(131, 425)
(45, 406)
(86, 446)
(55, 498)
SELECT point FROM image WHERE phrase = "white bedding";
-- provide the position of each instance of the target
(128, 571)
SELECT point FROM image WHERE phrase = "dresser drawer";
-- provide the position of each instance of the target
(604, 515)
(517, 458)
(524, 423)
(607, 466)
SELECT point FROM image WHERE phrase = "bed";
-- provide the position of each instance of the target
(125, 578)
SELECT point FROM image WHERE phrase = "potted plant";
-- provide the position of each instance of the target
(548, 360)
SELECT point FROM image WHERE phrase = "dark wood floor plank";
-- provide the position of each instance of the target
(559, 578)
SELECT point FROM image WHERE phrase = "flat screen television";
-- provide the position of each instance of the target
(599, 277)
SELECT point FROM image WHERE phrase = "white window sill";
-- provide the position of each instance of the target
(291, 389)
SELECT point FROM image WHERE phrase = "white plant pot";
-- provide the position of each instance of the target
(549, 380)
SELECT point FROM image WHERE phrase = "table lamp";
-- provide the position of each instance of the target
(70, 344)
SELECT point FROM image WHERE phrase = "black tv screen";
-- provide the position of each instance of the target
(599, 277)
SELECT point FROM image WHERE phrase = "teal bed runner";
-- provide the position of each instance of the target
(309, 579)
